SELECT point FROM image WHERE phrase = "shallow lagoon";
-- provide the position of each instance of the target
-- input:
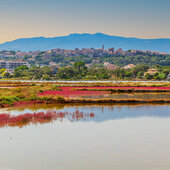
(121, 137)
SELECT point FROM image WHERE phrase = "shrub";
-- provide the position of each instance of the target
(60, 99)
(32, 97)
(55, 87)
(8, 99)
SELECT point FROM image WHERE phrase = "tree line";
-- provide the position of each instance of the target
(79, 71)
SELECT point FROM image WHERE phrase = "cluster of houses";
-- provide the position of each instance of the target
(90, 52)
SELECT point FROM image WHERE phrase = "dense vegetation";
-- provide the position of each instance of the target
(79, 71)
(119, 60)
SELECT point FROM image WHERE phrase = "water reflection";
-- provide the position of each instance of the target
(39, 114)
(119, 137)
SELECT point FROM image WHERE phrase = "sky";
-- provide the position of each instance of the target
(51, 18)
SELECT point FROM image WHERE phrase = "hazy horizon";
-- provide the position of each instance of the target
(51, 18)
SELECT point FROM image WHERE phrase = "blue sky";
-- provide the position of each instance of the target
(130, 18)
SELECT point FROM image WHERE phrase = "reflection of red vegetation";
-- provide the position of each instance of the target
(91, 114)
(69, 92)
(41, 117)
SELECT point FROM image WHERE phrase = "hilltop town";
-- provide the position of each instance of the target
(92, 54)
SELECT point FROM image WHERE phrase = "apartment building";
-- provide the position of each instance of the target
(12, 64)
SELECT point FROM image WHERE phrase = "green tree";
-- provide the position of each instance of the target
(138, 68)
(140, 74)
(148, 76)
(2, 70)
(119, 73)
(65, 73)
(20, 68)
(162, 76)
(80, 67)
(47, 70)
(46, 77)
(6, 75)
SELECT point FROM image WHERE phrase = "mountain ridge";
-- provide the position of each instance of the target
(86, 40)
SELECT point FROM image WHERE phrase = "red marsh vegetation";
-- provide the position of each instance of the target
(87, 91)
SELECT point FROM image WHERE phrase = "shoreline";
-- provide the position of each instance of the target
(87, 101)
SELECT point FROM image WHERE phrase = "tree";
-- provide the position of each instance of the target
(140, 74)
(138, 68)
(119, 73)
(20, 68)
(162, 76)
(21, 71)
(156, 76)
(47, 70)
(65, 73)
(46, 77)
(80, 67)
(128, 74)
(6, 75)
(148, 76)
(2, 70)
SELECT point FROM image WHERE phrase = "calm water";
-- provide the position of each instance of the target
(118, 137)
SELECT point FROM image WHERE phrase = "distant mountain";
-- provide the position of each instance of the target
(86, 41)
